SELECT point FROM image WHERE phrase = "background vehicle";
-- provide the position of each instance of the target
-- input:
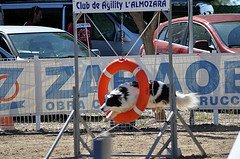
(27, 41)
(215, 33)
(59, 15)
(4, 55)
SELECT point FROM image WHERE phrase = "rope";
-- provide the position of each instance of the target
(103, 36)
(155, 54)
(140, 35)
(122, 35)
(86, 32)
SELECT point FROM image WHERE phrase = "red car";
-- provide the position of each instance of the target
(214, 33)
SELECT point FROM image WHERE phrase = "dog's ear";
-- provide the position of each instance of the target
(114, 100)
(124, 92)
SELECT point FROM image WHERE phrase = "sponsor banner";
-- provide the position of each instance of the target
(103, 6)
(215, 78)
(17, 86)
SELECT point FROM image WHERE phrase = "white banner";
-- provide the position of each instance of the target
(17, 88)
(215, 78)
(103, 6)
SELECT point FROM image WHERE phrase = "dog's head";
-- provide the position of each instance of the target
(121, 99)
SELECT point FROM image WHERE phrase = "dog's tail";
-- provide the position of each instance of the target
(186, 101)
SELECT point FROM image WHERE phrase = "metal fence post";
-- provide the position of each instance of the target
(102, 147)
(191, 118)
(215, 116)
(38, 91)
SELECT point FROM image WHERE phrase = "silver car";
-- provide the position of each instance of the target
(45, 42)
(119, 29)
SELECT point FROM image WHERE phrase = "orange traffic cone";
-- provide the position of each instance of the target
(6, 123)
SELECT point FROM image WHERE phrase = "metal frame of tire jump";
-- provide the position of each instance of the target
(171, 120)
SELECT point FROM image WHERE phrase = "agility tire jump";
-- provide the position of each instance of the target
(138, 72)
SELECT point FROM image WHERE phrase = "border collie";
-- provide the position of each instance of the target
(124, 98)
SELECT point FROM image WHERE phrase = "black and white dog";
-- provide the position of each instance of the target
(124, 98)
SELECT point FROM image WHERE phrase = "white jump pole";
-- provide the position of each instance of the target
(235, 151)
(76, 116)
(190, 26)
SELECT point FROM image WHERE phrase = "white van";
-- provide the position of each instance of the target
(58, 15)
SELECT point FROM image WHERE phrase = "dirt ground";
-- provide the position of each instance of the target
(217, 142)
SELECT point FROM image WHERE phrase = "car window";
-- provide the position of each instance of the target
(3, 44)
(200, 33)
(233, 38)
(46, 45)
(178, 32)
(128, 21)
(201, 38)
(164, 34)
(105, 25)
(228, 32)
(4, 55)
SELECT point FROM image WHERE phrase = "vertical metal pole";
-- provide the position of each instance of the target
(38, 91)
(190, 26)
(215, 116)
(191, 119)
(76, 117)
(172, 90)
